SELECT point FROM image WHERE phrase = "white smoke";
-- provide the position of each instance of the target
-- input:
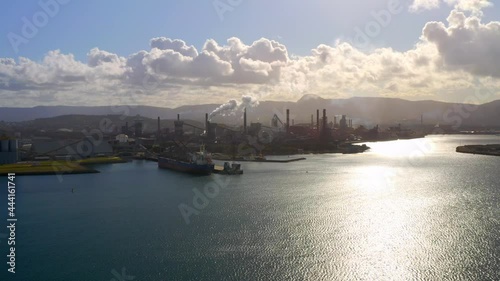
(233, 106)
(248, 102)
(224, 109)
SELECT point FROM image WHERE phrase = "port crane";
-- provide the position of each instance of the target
(276, 121)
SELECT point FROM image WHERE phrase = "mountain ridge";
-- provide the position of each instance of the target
(363, 110)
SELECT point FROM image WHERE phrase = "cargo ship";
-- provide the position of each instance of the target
(199, 163)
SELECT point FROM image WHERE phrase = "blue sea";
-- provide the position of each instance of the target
(404, 210)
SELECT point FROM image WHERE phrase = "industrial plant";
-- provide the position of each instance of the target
(249, 139)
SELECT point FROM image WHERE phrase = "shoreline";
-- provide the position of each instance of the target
(489, 149)
(57, 167)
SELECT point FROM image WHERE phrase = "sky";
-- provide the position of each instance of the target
(172, 53)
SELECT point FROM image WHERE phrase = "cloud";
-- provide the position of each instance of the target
(463, 5)
(420, 5)
(447, 58)
(176, 45)
(258, 63)
(467, 44)
(98, 57)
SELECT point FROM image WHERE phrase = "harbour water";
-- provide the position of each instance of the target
(405, 210)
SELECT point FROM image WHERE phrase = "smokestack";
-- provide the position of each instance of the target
(324, 118)
(293, 122)
(312, 121)
(422, 119)
(178, 117)
(245, 121)
(335, 121)
(287, 119)
(206, 122)
(159, 129)
(317, 120)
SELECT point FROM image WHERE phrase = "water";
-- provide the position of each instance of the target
(404, 210)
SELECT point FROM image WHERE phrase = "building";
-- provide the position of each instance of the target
(70, 149)
(8, 151)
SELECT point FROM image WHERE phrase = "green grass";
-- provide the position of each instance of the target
(57, 167)
(45, 167)
(101, 160)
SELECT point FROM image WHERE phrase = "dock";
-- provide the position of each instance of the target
(272, 160)
(227, 169)
(490, 149)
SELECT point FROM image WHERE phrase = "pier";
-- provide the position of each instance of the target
(490, 149)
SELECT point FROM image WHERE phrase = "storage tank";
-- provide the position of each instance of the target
(13, 145)
(4, 146)
(122, 138)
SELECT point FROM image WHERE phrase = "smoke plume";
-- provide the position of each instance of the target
(233, 106)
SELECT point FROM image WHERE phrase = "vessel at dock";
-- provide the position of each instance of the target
(187, 162)
(229, 169)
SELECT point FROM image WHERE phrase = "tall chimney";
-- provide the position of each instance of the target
(317, 120)
(245, 121)
(159, 129)
(206, 122)
(324, 120)
(312, 121)
(178, 117)
(287, 120)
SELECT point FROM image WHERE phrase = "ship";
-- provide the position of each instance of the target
(199, 163)
(229, 169)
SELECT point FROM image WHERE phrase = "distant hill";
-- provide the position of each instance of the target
(109, 123)
(363, 110)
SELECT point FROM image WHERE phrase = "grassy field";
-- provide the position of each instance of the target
(101, 160)
(57, 167)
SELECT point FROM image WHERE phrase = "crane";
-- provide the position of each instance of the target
(275, 121)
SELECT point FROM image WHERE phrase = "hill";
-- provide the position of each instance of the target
(363, 110)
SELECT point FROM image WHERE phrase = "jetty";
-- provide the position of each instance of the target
(489, 149)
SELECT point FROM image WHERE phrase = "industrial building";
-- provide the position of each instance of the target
(8, 151)
(70, 149)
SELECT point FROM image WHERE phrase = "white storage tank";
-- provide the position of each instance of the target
(122, 138)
